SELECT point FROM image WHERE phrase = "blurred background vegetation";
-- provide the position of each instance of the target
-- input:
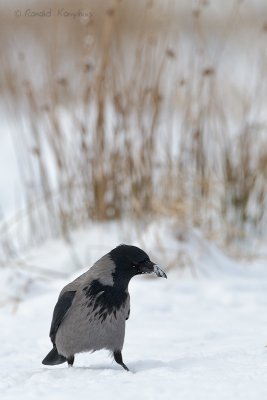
(136, 109)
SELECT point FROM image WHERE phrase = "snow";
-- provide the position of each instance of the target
(192, 336)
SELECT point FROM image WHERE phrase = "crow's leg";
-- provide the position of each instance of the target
(70, 361)
(118, 358)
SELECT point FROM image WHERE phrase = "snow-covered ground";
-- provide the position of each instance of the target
(192, 336)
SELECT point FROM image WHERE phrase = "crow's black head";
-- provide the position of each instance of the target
(131, 261)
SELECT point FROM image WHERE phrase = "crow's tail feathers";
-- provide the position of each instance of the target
(53, 358)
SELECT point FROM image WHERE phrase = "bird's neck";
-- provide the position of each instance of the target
(121, 282)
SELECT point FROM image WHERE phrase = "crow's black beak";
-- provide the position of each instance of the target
(149, 267)
(159, 272)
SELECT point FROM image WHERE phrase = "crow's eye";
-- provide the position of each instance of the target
(137, 264)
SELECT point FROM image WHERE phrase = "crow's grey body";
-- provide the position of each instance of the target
(91, 311)
(83, 328)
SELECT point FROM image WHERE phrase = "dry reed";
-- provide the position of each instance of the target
(120, 119)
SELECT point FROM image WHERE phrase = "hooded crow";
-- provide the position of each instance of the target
(91, 310)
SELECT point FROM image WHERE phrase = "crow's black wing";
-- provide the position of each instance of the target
(61, 308)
